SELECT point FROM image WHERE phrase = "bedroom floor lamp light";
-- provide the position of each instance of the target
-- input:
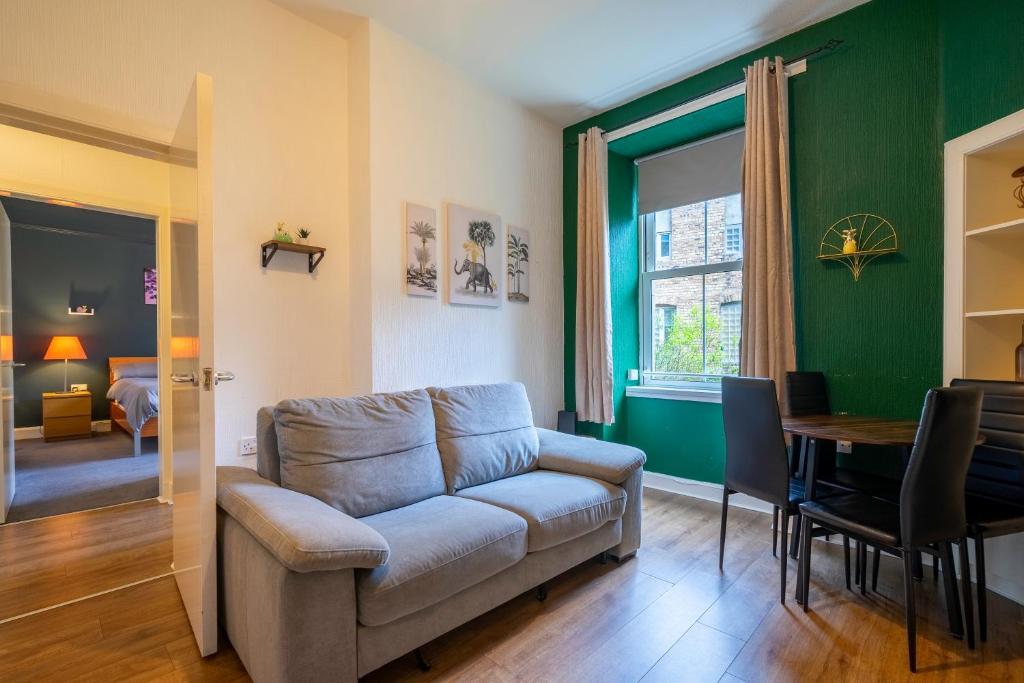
(65, 349)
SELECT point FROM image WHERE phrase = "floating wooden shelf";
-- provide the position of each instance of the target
(1009, 227)
(271, 247)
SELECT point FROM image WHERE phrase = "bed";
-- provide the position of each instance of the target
(134, 397)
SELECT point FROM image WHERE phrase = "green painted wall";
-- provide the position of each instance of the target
(867, 127)
(982, 62)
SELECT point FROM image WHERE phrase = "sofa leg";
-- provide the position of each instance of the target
(421, 661)
(624, 558)
(542, 592)
(603, 558)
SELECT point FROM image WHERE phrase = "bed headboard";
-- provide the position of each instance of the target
(115, 361)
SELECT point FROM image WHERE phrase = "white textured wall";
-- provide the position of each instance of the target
(437, 137)
(280, 153)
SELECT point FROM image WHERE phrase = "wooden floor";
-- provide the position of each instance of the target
(50, 561)
(668, 615)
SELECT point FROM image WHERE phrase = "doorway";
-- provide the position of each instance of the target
(81, 224)
(86, 394)
(70, 161)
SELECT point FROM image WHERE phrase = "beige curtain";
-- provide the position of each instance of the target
(767, 338)
(593, 290)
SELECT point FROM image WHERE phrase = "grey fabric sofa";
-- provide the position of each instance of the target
(375, 524)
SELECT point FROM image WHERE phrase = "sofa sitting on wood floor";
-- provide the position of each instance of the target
(375, 524)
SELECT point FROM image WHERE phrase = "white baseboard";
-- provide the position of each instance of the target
(1002, 555)
(703, 490)
(37, 432)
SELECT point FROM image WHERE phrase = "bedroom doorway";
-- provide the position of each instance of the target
(85, 344)
(49, 153)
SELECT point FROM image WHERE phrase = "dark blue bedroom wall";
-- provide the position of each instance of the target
(65, 256)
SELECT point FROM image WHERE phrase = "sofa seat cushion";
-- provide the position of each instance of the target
(557, 507)
(439, 547)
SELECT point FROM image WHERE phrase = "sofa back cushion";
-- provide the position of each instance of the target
(361, 455)
(268, 461)
(484, 432)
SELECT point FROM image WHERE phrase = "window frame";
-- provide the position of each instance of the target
(648, 275)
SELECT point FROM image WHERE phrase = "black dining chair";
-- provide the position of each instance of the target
(930, 516)
(756, 461)
(807, 394)
(995, 480)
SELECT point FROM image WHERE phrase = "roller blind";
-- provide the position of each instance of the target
(705, 170)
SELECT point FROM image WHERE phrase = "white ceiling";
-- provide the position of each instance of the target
(569, 59)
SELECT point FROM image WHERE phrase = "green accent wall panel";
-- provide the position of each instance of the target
(868, 121)
(982, 62)
(682, 438)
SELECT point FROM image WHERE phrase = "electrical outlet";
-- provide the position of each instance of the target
(247, 446)
(844, 447)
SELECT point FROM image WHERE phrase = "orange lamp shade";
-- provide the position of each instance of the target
(184, 347)
(65, 348)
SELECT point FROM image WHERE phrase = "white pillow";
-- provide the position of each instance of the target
(135, 370)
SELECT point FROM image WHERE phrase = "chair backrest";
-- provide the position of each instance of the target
(997, 468)
(756, 462)
(932, 505)
(807, 394)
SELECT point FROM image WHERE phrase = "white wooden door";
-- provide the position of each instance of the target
(6, 369)
(193, 377)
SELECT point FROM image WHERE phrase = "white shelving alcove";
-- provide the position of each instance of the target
(984, 252)
(983, 306)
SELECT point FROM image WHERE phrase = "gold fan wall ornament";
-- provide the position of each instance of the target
(858, 240)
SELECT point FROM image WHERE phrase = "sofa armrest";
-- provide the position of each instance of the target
(610, 462)
(302, 532)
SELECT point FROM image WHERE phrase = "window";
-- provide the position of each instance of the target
(664, 244)
(663, 230)
(730, 312)
(691, 297)
(664, 319)
(733, 226)
(691, 275)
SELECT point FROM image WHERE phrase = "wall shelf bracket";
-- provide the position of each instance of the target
(874, 237)
(270, 248)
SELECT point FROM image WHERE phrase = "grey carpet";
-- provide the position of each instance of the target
(81, 474)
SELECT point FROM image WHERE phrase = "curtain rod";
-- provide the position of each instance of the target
(830, 44)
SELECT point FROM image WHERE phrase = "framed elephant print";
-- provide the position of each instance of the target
(475, 257)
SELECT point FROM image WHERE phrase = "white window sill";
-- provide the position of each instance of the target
(675, 393)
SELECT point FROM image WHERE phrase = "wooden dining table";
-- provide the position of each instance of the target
(876, 431)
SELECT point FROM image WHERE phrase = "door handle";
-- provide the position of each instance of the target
(190, 378)
(212, 379)
(11, 364)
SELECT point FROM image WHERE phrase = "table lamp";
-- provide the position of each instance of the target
(65, 349)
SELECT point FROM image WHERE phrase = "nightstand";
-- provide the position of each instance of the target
(67, 415)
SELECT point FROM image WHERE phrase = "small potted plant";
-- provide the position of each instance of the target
(281, 233)
(303, 235)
